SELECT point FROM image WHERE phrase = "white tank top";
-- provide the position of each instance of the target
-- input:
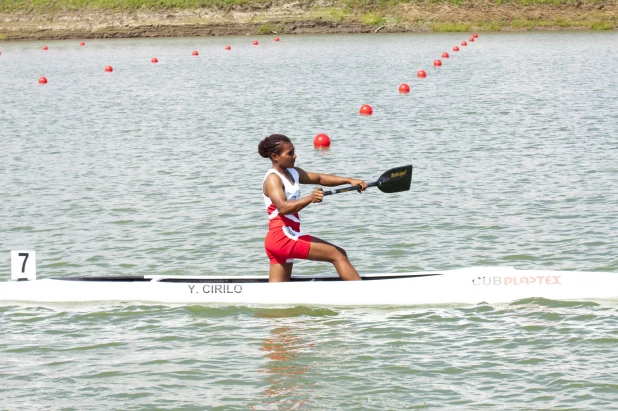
(292, 192)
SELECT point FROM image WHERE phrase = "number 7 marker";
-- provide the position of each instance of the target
(23, 265)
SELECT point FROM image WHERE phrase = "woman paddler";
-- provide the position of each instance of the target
(284, 241)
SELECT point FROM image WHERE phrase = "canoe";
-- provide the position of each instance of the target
(461, 286)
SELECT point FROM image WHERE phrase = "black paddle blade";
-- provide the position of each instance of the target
(396, 180)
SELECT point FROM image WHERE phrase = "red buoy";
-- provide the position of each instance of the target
(82, 44)
(195, 53)
(437, 63)
(404, 88)
(421, 74)
(471, 39)
(42, 80)
(455, 48)
(228, 48)
(154, 60)
(109, 69)
(276, 38)
(445, 55)
(475, 35)
(44, 47)
(366, 110)
(463, 43)
(255, 42)
(321, 141)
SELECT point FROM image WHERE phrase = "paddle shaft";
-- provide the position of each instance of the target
(351, 188)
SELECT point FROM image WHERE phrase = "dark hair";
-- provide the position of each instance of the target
(272, 145)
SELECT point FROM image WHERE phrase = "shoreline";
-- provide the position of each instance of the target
(293, 18)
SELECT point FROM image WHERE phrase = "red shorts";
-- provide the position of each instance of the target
(283, 245)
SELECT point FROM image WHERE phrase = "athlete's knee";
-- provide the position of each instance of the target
(340, 254)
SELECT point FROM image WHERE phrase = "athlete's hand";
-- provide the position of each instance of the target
(317, 195)
(359, 183)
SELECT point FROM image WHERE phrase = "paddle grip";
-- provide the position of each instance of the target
(350, 188)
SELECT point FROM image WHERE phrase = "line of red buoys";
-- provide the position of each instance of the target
(109, 69)
(404, 88)
(321, 140)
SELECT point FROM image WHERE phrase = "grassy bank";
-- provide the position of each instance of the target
(68, 5)
(59, 6)
(39, 19)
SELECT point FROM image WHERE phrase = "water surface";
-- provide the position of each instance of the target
(153, 169)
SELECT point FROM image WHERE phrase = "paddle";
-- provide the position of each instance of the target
(393, 181)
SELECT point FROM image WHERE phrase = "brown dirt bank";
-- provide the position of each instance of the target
(293, 18)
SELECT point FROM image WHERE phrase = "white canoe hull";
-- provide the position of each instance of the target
(463, 286)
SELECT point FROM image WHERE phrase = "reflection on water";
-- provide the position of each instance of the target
(286, 389)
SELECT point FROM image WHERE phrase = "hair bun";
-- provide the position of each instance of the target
(272, 145)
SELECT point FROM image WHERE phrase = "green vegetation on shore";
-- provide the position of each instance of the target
(47, 6)
(55, 19)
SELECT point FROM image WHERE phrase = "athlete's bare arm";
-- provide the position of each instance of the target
(273, 188)
(328, 180)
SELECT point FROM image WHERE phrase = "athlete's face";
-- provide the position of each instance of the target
(286, 157)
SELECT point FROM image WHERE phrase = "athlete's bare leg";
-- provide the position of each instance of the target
(324, 251)
(280, 272)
